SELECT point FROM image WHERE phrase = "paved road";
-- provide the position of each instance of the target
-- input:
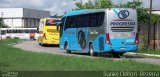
(34, 47)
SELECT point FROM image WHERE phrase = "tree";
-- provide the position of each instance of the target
(101, 4)
(155, 18)
(1, 25)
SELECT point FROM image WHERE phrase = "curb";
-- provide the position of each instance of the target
(150, 55)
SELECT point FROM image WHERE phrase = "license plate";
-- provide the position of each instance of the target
(122, 48)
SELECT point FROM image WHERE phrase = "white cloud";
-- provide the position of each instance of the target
(155, 4)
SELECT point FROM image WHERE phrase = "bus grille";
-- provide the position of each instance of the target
(122, 29)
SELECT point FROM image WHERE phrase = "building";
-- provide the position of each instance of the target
(22, 17)
(156, 12)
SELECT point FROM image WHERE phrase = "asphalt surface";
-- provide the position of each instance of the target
(33, 46)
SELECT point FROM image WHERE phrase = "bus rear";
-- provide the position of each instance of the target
(121, 33)
(49, 33)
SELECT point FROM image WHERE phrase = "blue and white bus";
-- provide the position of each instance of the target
(111, 30)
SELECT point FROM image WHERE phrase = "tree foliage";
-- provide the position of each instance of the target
(155, 18)
(101, 4)
(98, 4)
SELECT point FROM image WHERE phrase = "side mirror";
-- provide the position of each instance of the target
(57, 28)
(58, 25)
(37, 29)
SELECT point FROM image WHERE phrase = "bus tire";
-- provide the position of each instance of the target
(66, 48)
(8, 37)
(39, 43)
(43, 45)
(91, 51)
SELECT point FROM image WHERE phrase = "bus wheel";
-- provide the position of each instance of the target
(91, 51)
(66, 48)
(39, 43)
(43, 45)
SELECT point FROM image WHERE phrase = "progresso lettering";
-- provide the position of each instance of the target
(122, 24)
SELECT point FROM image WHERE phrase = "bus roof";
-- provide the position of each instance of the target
(86, 11)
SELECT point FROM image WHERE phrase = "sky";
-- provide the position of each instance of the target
(59, 6)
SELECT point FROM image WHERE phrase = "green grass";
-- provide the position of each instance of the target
(13, 59)
(149, 51)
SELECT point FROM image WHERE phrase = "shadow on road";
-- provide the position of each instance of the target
(108, 55)
(133, 56)
(51, 45)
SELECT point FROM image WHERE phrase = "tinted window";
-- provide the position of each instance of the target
(100, 18)
(96, 19)
(3, 32)
(87, 20)
(20, 31)
(93, 21)
(26, 31)
(51, 22)
(69, 22)
(9, 31)
(14, 31)
(32, 31)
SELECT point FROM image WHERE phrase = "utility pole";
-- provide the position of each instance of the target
(1, 25)
(149, 25)
(158, 24)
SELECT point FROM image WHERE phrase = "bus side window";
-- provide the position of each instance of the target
(68, 23)
(37, 30)
(8, 31)
(14, 31)
(86, 20)
(3, 32)
(93, 21)
(26, 31)
(19, 31)
(79, 21)
(32, 31)
(100, 18)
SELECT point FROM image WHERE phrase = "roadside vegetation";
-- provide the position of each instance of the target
(149, 51)
(13, 59)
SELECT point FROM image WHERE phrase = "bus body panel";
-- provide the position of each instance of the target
(70, 37)
(97, 36)
(21, 33)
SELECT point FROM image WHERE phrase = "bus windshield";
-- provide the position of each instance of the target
(51, 22)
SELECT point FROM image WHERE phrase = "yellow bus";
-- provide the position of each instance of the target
(48, 33)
